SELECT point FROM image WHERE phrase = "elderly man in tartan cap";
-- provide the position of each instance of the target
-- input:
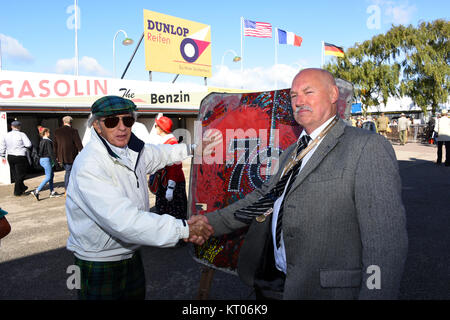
(107, 204)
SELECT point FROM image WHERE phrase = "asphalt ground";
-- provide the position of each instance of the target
(34, 260)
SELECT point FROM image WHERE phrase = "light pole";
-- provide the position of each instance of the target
(235, 59)
(126, 42)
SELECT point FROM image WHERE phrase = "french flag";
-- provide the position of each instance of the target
(286, 37)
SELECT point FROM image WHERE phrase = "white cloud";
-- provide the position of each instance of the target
(12, 49)
(396, 12)
(87, 65)
(65, 65)
(91, 66)
(278, 76)
(401, 14)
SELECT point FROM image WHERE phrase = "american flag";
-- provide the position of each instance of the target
(257, 29)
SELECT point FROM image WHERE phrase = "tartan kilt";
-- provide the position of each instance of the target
(178, 206)
(112, 280)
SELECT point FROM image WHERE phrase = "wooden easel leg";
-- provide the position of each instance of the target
(205, 283)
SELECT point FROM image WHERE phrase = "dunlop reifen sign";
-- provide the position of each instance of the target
(176, 45)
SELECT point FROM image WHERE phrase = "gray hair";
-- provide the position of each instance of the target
(67, 119)
(93, 118)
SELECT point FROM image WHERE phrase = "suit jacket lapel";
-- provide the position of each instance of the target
(327, 144)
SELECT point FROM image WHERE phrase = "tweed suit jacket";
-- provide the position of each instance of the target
(67, 144)
(343, 215)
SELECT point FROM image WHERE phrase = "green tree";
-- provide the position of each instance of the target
(426, 69)
(404, 61)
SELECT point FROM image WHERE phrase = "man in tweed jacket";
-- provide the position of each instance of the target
(67, 146)
(343, 223)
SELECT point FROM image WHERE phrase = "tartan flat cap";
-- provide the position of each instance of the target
(110, 105)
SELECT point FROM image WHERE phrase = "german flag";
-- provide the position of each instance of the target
(332, 50)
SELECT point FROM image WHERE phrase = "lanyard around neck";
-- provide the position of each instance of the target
(310, 146)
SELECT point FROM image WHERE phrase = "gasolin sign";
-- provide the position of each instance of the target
(176, 45)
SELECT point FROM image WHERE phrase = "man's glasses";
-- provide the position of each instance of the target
(112, 122)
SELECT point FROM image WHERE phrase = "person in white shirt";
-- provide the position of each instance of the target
(15, 144)
(442, 129)
(107, 204)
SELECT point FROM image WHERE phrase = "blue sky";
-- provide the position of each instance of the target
(35, 36)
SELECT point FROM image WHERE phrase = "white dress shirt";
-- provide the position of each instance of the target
(14, 143)
(280, 253)
(123, 153)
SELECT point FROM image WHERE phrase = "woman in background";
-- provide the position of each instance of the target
(47, 160)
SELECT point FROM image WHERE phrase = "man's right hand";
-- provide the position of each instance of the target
(199, 229)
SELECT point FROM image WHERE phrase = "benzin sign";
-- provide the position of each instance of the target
(169, 98)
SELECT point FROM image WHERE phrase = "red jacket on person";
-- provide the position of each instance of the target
(175, 171)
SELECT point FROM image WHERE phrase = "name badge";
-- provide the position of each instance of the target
(262, 218)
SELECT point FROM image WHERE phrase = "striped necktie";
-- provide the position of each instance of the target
(302, 145)
(266, 202)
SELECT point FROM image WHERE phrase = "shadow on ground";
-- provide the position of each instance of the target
(426, 188)
(170, 274)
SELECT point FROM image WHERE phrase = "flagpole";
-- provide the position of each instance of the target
(76, 37)
(323, 48)
(276, 45)
(242, 51)
(276, 55)
(0, 54)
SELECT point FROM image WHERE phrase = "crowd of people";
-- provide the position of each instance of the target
(17, 149)
(315, 228)
(399, 128)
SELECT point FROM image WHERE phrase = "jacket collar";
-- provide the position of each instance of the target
(135, 144)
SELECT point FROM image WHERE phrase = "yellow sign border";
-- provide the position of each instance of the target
(176, 45)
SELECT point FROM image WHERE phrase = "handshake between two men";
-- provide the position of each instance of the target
(199, 230)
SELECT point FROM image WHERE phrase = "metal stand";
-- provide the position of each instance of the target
(205, 283)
